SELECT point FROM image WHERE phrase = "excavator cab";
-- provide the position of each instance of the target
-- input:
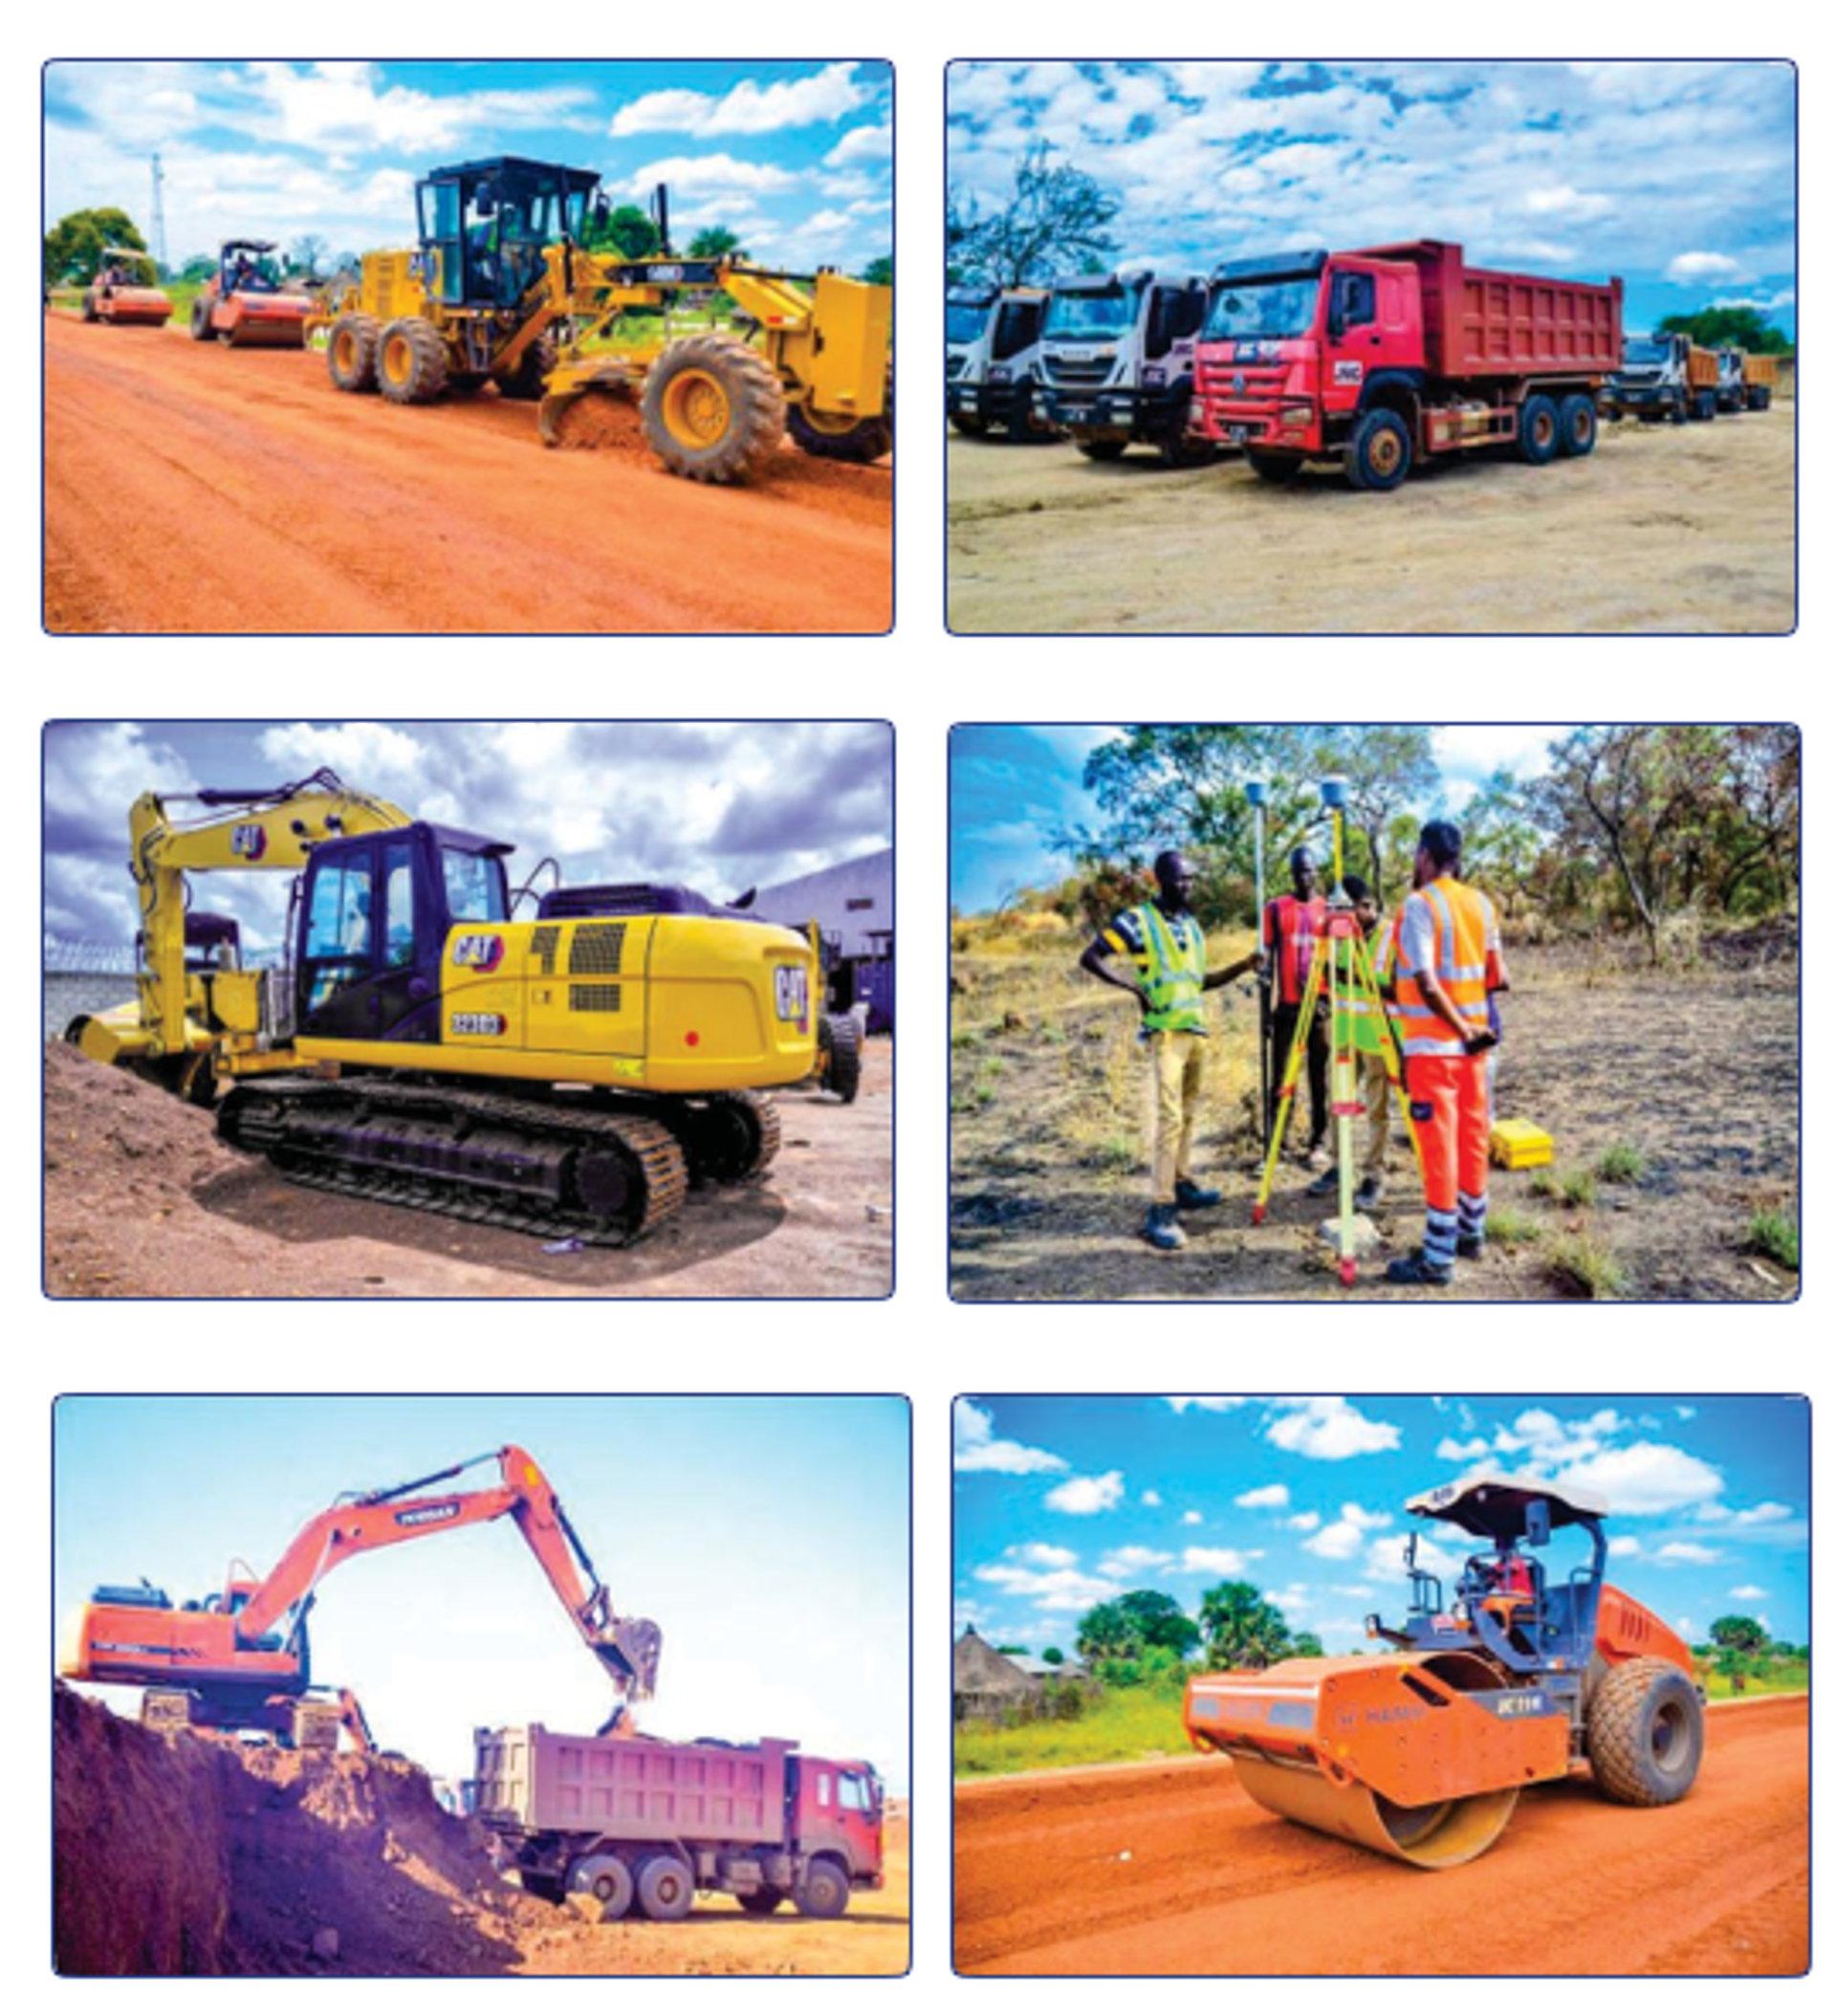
(486, 224)
(374, 919)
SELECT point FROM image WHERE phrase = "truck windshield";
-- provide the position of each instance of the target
(1089, 317)
(1645, 350)
(1267, 308)
(963, 325)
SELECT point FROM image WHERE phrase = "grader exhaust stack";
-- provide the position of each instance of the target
(1420, 1753)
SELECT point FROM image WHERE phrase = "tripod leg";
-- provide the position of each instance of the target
(1284, 1095)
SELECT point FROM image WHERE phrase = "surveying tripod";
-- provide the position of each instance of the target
(1358, 1024)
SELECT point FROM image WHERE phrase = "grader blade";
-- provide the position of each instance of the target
(594, 407)
(1418, 1756)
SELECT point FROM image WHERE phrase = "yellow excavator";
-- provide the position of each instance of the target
(569, 1075)
(500, 289)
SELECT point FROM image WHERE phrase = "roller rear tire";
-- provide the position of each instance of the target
(1645, 1733)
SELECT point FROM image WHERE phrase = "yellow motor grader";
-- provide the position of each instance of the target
(500, 290)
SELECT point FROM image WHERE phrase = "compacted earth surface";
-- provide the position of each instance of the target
(1170, 1868)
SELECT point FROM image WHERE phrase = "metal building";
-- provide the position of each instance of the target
(852, 904)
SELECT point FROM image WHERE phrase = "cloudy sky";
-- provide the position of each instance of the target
(695, 1511)
(1064, 1503)
(1009, 785)
(1678, 177)
(723, 806)
(795, 158)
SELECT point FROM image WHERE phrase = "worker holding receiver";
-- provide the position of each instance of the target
(1447, 948)
(1294, 927)
(1164, 945)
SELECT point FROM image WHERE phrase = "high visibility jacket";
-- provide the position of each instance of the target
(1290, 929)
(1447, 930)
(1170, 960)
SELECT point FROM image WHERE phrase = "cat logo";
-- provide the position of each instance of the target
(482, 951)
(249, 842)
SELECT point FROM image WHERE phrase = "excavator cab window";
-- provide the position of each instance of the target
(477, 887)
(337, 927)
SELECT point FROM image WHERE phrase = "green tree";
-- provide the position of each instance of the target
(1729, 328)
(715, 241)
(1143, 1620)
(1306, 1645)
(1243, 1627)
(1739, 1634)
(626, 230)
(74, 243)
(307, 252)
(1386, 771)
(1052, 1655)
(1010, 1652)
(1056, 217)
(879, 272)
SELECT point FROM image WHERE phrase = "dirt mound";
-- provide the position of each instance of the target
(183, 1855)
(122, 1132)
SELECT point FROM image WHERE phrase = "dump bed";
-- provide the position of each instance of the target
(1701, 372)
(632, 1789)
(1760, 370)
(1482, 324)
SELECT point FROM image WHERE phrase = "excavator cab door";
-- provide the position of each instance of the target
(372, 933)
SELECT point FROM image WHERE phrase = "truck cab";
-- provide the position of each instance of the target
(1664, 377)
(1117, 362)
(992, 358)
(838, 1811)
(1731, 381)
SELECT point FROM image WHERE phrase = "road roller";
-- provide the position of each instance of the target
(1419, 1752)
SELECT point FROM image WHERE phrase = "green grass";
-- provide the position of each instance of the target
(1118, 1726)
(1774, 1235)
(1510, 1227)
(967, 1040)
(1583, 1266)
(1779, 1676)
(1574, 1187)
(1621, 1163)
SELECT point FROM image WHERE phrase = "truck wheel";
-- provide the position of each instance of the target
(1274, 469)
(410, 362)
(762, 1902)
(1380, 453)
(1539, 430)
(1578, 424)
(666, 1887)
(968, 424)
(1702, 406)
(1183, 450)
(1645, 1733)
(1105, 450)
(823, 1892)
(606, 1878)
(1759, 398)
(843, 1043)
(350, 354)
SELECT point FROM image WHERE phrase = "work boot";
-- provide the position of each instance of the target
(1471, 1245)
(1189, 1195)
(1324, 1184)
(1162, 1230)
(1317, 1157)
(1369, 1194)
(1416, 1272)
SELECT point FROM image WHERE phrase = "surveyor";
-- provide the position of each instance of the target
(1445, 945)
(1165, 945)
(1378, 932)
(1293, 927)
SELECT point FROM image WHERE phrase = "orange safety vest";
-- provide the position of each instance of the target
(1462, 927)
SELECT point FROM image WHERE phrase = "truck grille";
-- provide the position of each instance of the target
(1082, 377)
(597, 947)
(600, 998)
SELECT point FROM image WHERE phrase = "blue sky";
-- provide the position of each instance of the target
(1011, 785)
(1678, 177)
(723, 806)
(1063, 1502)
(769, 1538)
(797, 158)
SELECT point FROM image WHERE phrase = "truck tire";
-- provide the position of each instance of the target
(1645, 1733)
(666, 1887)
(350, 354)
(1702, 406)
(1380, 453)
(1106, 449)
(841, 1040)
(1759, 399)
(761, 1902)
(1183, 450)
(1539, 431)
(968, 425)
(823, 1892)
(1578, 424)
(605, 1877)
(410, 362)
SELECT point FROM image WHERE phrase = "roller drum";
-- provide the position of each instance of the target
(1438, 1836)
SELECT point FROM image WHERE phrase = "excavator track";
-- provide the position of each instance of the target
(729, 1137)
(551, 1171)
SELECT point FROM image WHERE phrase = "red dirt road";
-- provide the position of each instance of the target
(193, 488)
(1213, 1884)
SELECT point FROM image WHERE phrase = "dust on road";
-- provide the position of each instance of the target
(1172, 1869)
(1662, 529)
(191, 487)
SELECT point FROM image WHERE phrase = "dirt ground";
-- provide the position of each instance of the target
(143, 1199)
(1662, 529)
(193, 487)
(1172, 1869)
(1698, 1071)
(185, 1855)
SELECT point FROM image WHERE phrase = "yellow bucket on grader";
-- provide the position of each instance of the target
(1420, 1753)
(500, 289)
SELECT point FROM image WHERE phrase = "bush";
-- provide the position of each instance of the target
(1774, 1236)
(1583, 1266)
(1621, 1164)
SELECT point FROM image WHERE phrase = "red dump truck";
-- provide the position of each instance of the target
(643, 1826)
(1386, 358)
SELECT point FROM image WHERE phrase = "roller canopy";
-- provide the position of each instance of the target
(1496, 1507)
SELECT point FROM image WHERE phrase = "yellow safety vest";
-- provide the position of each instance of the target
(1172, 969)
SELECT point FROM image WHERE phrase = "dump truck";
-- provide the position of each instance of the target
(1746, 381)
(1663, 378)
(249, 301)
(127, 290)
(1117, 363)
(1384, 358)
(642, 1824)
(1420, 1752)
(992, 360)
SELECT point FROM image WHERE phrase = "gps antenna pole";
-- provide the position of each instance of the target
(1258, 795)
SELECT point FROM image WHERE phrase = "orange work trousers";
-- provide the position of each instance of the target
(1449, 1099)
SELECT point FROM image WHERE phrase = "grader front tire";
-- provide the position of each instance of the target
(713, 411)
(411, 363)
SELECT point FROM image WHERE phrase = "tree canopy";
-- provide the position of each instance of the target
(626, 230)
(1739, 1634)
(1243, 1627)
(715, 241)
(74, 243)
(1057, 220)
(1126, 1627)
(1729, 328)
(879, 272)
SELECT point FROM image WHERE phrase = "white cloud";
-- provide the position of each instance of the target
(977, 1448)
(1055, 1590)
(1345, 1535)
(708, 175)
(1192, 1519)
(1329, 1429)
(1761, 1513)
(1265, 1496)
(1206, 1403)
(860, 144)
(1450, 1450)
(1126, 1564)
(749, 107)
(1692, 269)
(1687, 1553)
(1643, 1478)
(1303, 1522)
(1082, 1496)
(1151, 1497)
(1038, 1555)
(1621, 1546)
(1218, 1561)
(1747, 1593)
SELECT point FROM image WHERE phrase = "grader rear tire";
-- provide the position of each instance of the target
(842, 441)
(713, 410)
(350, 355)
(411, 363)
(1645, 1733)
(528, 379)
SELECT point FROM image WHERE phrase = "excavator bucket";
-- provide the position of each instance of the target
(1418, 1755)
(630, 1649)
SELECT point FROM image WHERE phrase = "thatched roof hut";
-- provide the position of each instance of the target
(986, 1684)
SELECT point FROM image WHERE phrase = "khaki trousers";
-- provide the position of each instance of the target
(1176, 1060)
(1375, 1092)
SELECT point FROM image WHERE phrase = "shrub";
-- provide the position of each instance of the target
(1776, 1236)
(1583, 1266)
(1621, 1164)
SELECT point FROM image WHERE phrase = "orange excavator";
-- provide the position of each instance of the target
(240, 1660)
